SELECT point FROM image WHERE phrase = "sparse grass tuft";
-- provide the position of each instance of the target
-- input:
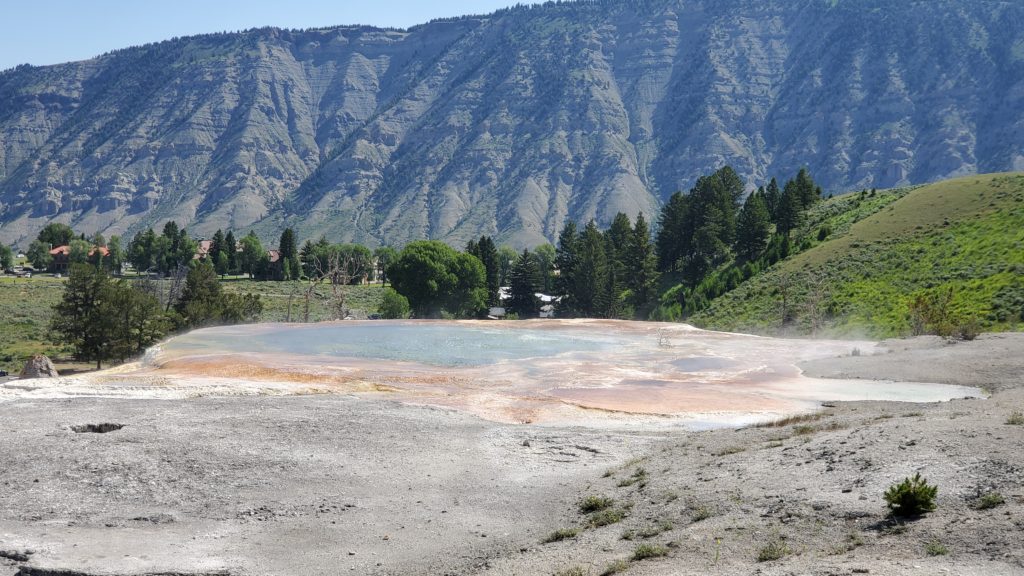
(574, 571)
(988, 501)
(701, 513)
(774, 550)
(595, 504)
(730, 450)
(561, 534)
(935, 548)
(645, 551)
(615, 567)
(639, 476)
(606, 517)
(852, 542)
(1016, 418)
(790, 420)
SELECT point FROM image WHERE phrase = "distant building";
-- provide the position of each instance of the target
(62, 257)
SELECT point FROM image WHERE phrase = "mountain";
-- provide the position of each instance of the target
(956, 243)
(511, 123)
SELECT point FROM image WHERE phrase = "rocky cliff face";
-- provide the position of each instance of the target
(511, 123)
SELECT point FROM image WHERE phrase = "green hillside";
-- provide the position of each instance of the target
(960, 240)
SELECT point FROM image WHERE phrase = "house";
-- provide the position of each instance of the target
(204, 246)
(203, 249)
(62, 256)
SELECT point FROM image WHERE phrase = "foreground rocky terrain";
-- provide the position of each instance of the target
(338, 484)
(508, 124)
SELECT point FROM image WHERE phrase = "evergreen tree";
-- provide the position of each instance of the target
(203, 298)
(642, 263)
(566, 264)
(231, 248)
(591, 274)
(487, 253)
(671, 223)
(807, 191)
(773, 199)
(790, 209)
(217, 253)
(752, 228)
(6, 258)
(524, 283)
(82, 319)
(291, 268)
(609, 297)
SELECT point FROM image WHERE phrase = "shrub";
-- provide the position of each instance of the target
(911, 497)
(615, 567)
(1016, 418)
(606, 517)
(393, 305)
(595, 504)
(935, 548)
(990, 500)
(560, 534)
(701, 513)
(774, 550)
(968, 330)
(645, 551)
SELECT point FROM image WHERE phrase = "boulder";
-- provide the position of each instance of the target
(39, 366)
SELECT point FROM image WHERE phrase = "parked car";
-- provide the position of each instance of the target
(3, 373)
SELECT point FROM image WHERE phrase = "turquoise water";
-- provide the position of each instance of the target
(439, 344)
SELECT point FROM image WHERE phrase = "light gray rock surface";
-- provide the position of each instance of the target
(39, 366)
(509, 124)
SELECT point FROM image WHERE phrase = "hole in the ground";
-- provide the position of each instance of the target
(96, 428)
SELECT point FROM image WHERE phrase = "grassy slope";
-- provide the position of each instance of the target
(966, 234)
(26, 306)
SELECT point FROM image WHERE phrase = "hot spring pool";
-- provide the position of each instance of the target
(535, 371)
(590, 372)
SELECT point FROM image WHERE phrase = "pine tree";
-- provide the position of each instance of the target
(642, 263)
(671, 222)
(773, 199)
(566, 263)
(752, 228)
(487, 253)
(231, 247)
(808, 192)
(217, 253)
(287, 247)
(83, 317)
(523, 286)
(790, 212)
(591, 274)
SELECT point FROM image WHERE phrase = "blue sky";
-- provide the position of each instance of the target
(50, 31)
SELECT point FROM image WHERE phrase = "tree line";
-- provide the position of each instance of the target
(103, 318)
(707, 242)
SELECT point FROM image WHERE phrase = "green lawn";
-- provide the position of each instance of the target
(26, 305)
